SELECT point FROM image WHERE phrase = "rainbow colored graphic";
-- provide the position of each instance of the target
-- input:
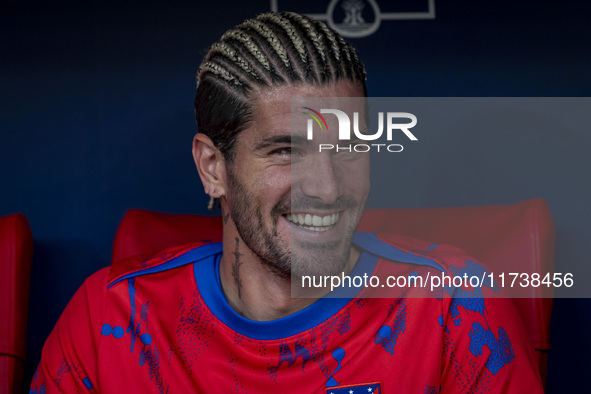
(315, 117)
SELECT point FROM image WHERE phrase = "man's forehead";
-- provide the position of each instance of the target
(276, 110)
(281, 96)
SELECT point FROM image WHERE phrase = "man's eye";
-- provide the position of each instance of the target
(282, 151)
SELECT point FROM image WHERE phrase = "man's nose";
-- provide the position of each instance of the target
(321, 178)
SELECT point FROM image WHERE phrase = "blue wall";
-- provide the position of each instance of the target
(96, 117)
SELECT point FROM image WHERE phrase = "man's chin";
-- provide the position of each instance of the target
(319, 262)
(319, 258)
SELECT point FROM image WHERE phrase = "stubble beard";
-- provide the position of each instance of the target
(288, 259)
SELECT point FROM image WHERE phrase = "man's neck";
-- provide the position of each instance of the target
(254, 290)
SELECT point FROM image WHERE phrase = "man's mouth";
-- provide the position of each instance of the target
(313, 222)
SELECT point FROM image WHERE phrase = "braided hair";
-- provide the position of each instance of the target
(273, 49)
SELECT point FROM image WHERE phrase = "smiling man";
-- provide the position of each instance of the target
(287, 208)
(222, 317)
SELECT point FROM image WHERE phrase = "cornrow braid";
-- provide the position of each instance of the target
(248, 44)
(310, 32)
(339, 66)
(220, 71)
(223, 49)
(290, 31)
(271, 50)
(265, 31)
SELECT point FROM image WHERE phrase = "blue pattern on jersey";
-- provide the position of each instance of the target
(132, 328)
(338, 354)
(386, 335)
(40, 391)
(501, 350)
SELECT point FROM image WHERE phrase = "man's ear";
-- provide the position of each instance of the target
(211, 165)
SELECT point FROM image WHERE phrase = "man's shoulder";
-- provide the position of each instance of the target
(102, 292)
(97, 282)
(404, 249)
(164, 260)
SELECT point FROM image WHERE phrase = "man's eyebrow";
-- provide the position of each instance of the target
(280, 139)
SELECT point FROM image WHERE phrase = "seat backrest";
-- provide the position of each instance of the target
(144, 232)
(497, 235)
(16, 253)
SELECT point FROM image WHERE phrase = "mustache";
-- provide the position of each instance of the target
(305, 203)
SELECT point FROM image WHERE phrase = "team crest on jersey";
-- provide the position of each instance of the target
(362, 388)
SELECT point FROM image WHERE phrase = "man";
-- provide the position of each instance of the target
(213, 318)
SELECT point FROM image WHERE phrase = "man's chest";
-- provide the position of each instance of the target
(369, 346)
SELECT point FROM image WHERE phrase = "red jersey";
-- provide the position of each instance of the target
(163, 325)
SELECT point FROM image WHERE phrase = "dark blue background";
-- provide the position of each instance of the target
(97, 117)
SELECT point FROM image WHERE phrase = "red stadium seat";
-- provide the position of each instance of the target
(16, 252)
(497, 235)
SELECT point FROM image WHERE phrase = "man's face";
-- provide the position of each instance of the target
(294, 207)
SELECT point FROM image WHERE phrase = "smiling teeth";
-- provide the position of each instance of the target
(313, 222)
